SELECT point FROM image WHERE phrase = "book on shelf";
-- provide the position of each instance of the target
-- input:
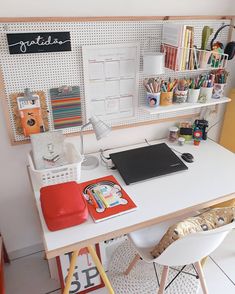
(178, 43)
(106, 198)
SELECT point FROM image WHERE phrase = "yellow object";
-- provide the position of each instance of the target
(184, 53)
(166, 98)
(100, 269)
(227, 137)
(71, 271)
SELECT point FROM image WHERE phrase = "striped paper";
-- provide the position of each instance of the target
(66, 107)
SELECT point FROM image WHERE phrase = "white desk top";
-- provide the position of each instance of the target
(210, 179)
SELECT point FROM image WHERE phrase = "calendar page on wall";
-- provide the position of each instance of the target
(111, 80)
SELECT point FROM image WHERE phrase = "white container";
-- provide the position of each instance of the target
(153, 99)
(218, 91)
(193, 95)
(154, 63)
(180, 96)
(205, 94)
(60, 174)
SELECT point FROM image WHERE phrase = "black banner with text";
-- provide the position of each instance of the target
(22, 43)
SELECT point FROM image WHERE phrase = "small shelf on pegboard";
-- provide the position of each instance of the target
(192, 59)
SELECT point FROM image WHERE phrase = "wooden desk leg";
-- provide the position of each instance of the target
(71, 271)
(100, 269)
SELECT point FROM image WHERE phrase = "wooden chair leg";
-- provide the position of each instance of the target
(132, 264)
(163, 279)
(201, 277)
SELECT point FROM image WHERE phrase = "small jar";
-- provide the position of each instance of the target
(181, 141)
(173, 134)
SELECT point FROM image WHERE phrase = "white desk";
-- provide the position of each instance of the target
(210, 179)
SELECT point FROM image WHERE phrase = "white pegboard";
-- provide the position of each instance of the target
(48, 70)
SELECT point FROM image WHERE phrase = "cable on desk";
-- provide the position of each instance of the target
(147, 142)
(105, 160)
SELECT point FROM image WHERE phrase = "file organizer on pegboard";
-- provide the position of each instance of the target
(45, 71)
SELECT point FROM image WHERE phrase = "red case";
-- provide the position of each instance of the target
(63, 205)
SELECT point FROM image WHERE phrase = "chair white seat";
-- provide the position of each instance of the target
(187, 250)
(146, 239)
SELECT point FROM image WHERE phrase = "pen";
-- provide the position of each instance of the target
(93, 200)
(97, 192)
(98, 200)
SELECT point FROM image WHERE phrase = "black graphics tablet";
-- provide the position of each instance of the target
(146, 162)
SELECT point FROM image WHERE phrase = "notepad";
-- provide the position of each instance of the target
(106, 198)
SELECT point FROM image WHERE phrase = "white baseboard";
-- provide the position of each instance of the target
(25, 251)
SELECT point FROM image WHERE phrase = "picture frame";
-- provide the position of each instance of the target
(86, 276)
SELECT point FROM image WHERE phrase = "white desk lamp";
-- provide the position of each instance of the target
(101, 130)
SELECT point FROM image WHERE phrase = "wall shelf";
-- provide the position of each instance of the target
(183, 106)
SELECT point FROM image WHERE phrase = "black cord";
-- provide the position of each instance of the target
(217, 32)
(147, 142)
(175, 150)
(102, 154)
(105, 159)
(213, 125)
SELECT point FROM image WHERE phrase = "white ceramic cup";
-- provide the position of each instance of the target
(205, 94)
(153, 99)
(193, 95)
(218, 91)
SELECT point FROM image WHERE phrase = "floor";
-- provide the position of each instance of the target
(29, 274)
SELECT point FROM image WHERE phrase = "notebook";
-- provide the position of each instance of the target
(106, 198)
(146, 162)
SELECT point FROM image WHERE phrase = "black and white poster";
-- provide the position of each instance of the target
(23, 43)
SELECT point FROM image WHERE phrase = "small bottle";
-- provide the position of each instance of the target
(173, 134)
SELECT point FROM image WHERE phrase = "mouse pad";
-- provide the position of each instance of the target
(146, 162)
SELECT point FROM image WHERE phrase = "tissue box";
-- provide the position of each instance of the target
(63, 205)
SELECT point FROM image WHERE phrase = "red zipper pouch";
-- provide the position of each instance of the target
(63, 205)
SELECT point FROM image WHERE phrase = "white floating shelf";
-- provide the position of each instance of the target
(183, 106)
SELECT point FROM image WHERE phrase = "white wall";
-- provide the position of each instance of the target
(18, 218)
(115, 7)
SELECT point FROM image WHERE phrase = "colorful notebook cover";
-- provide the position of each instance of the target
(106, 198)
(66, 107)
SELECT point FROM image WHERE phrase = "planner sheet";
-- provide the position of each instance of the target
(111, 80)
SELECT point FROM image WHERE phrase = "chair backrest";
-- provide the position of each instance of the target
(194, 247)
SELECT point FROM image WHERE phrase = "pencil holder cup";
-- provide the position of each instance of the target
(180, 96)
(166, 98)
(204, 57)
(153, 99)
(193, 95)
(205, 94)
(218, 91)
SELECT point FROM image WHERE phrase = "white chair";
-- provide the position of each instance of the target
(188, 250)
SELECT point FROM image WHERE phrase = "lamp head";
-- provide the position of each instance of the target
(100, 128)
